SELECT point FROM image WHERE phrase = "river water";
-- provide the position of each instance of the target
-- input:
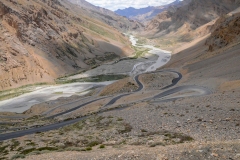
(149, 66)
(25, 101)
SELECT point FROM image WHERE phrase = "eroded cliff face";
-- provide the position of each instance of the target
(225, 32)
(43, 39)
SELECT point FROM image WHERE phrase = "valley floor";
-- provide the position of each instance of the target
(200, 121)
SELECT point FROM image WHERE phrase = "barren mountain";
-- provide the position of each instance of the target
(109, 17)
(41, 40)
(187, 22)
(144, 15)
(214, 59)
(189, 109)
(133, 12)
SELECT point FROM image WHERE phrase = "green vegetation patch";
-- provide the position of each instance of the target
(58, 93)
(88, 148)
(139, 52)
(27, 151)
(98, 29)
(30, 150)
(3, 150)
(93, 143)
(102, 146)
(14, 145)
(99, 78)
(169, 138)
(11, 93)
(47, 148)
(107, 56)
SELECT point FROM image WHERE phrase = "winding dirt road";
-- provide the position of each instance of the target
(156, 98)
(164, 94)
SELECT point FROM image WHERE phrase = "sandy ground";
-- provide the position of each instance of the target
(26, 101)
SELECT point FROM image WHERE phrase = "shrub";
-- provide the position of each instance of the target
(157, 144)
(93, 143)
(88, 148)
(119, 119)
(14, 145)
(47, 148)
(36, 152)
(102, 146)
(26, 151)
(143, 130)
(18, 156)
(127, 128)
(73, 149)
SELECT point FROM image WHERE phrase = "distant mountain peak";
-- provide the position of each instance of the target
(146, 13)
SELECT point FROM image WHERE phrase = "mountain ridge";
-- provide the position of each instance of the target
(145, 14)
(42, 40)
(187, 22)
(121, 23)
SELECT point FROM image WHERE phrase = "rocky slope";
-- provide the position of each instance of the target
(144, 15)
(41, 40)
(204, 127)
(186, 23)
(225, 32)
(213, 60)
(109, 17)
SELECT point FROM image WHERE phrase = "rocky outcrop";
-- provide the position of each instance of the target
(41, 40)
(226, 31)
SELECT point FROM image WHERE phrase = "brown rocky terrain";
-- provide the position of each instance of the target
(212, 120)
(156, 81)
(225, 32)
(42, 40)
(121, 86)
(215, 55)
(194, 127)
(186, 23)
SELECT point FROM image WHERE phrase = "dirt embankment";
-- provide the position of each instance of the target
(156, 81)
(121, 86)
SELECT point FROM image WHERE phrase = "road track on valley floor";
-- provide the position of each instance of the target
(16, 134)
